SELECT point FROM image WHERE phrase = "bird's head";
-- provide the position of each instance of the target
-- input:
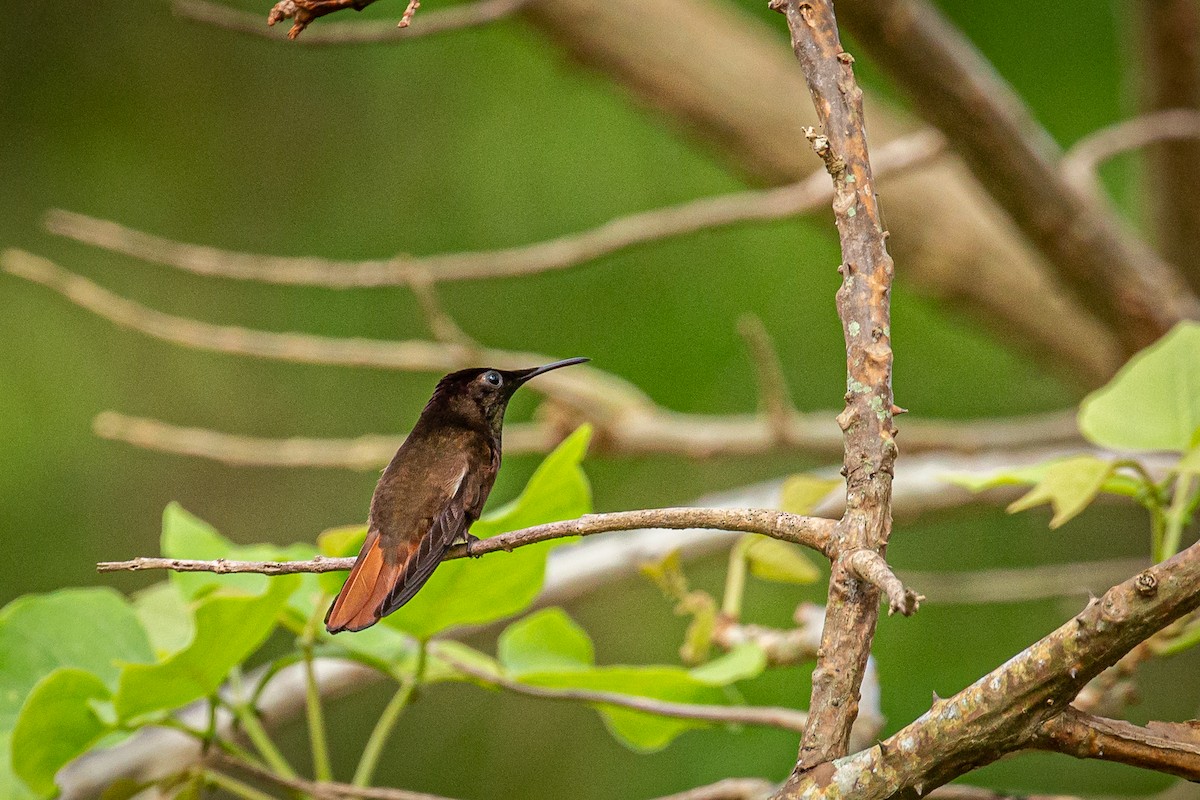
(478, 396)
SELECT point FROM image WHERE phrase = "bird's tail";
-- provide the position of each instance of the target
(359, 604)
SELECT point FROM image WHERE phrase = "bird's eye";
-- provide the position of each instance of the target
(492, 377)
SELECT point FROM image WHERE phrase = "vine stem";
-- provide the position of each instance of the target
(1176, 516)
(387, 720)
(314, 714)
(735, 580)
(247, 717)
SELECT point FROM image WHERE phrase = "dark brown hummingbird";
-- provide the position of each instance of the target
(431, 492)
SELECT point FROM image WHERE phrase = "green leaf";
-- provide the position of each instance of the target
(802, 493)
(1069, 486)
(89, 629)
(638, 729)
(1153, 402)
(470, 591)
(165, 616)
(1115, 483)
(1190, 463)
(439, 669)
(779, 561)
(549, 649)
(57, 723)
(546, 641)
(742, 663)
(667, 575)
(380, 646)
(229, 627)
(11, 787)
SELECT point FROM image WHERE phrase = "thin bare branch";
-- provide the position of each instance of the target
(1168, 56)
(813, 532)
(639, 432)
(775, 400)
(870, 566)
(1118, 277)
(564, 252)
(864, 308)
(1173, 748)
(1005, 710)
(457, 17)
(785, 718)
(1083, 160)
(1022, 584)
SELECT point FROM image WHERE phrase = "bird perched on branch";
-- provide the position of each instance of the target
(430, 493)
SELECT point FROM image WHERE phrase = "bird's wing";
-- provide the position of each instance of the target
(385, 578)
(452, 523)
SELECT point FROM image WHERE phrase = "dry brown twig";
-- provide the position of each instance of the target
(459, 17)
(812, 532)
(1081, 163)
(870, 447)
(564, 252)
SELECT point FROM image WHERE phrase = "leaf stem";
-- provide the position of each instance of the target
(1176, 516)
(387, 720)
(314, 714)
(735, 579)
(229, 747)
(248, 718)
(234, 786)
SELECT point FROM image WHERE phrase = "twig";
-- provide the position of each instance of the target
(811, 532)
(1080, 164)
(305, 11)
(1173, 748)
(467, 15)
(409, 11)
(1022, 584)
(564, 252)
(774, 397)
(785, 718)
(870, 566)
(863, 306)
(1168, 56)
(963, 792)
(1005, 710)
(640, 432)
(1116, 275)
(675, 56)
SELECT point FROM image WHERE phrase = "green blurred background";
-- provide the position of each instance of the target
(475, 140)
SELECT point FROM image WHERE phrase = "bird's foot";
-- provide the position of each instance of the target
(472, 539)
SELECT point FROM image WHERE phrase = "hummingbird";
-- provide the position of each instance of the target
(431, 492)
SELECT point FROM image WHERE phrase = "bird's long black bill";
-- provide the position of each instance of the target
(533, 373)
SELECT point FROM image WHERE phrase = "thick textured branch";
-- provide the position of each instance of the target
(1007, 709)
(1114, 273)
(870, 446)
(813, 532)
(1173, 748)
(1168, 45)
